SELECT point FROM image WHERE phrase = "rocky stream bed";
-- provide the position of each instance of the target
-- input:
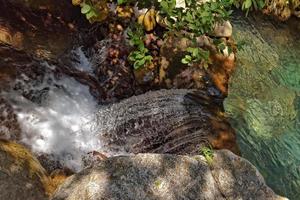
(78, 122)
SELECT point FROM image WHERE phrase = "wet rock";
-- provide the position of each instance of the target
(176, 121)
(162, 176)
(43, 28)
(9, 126)
(21, 175)
(221, 70)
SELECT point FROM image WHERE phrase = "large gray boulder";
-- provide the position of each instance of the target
(165, 176)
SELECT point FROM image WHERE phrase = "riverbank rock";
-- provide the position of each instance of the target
(197, 75)
(223, 29)
(163, 176)
(282, 9)
(21, 175)
(42, 28)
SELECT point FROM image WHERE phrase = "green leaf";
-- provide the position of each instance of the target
(164, 6)
(204, 54)
(261, 4)
(230, 50)
(148, 58)
(91, 14)
(187, 59)
(122, 2)
(221, 46)
(247, 4)
(139, 63)
(85, 8)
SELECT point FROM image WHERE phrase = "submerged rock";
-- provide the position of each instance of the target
(159, 176)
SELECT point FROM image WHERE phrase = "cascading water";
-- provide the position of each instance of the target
(62, 122)
(59, 118)
(56, 120)
(264, 99)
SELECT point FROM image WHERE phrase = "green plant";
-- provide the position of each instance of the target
(247, 5)
(93, 10)
(141, 4)
(208, 153)
(140, 56)
(88, 10)
(158, 183)
(197, 18)
(195, 54)
(221, 46)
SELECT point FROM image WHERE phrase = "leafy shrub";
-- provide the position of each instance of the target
(247, 5)
(140, 56)
(195, 55)
(197, 18)
(93, 10)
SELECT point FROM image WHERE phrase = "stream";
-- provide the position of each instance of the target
(264, 99)
(54, 111)
(69, 106)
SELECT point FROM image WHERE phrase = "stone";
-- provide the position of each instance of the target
(42, 28)
(282, 9)
(223, 29)
(21, 175)
(165, 176)
(180, 4)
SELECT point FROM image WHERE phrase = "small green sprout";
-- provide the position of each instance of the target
(208, 153)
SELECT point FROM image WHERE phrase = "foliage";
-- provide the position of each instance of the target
(208, 153)
(195, 54)
(93, 10)
(247, 5)
(194, 19)
(88, 10)
(140, 56)
(197, 18)
(221, 46)
(141, 4)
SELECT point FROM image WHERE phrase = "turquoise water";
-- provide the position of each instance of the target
(264, 100)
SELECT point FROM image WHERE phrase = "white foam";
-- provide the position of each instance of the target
(84, 63)
(61, 124)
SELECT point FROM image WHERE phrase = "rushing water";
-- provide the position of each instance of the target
(57, 122)
(264, 100)
(60, 120)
